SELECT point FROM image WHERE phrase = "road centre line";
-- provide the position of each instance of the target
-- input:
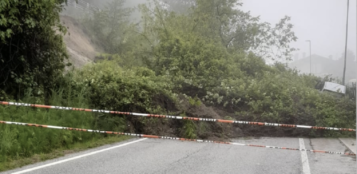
(77, 157)
(304, 158)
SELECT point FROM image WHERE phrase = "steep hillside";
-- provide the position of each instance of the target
(79, 46)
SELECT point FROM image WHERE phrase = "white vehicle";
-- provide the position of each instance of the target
(334, 88)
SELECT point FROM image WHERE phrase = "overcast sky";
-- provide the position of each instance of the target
(321, 21)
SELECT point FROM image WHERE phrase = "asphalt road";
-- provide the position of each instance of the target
(169, 156)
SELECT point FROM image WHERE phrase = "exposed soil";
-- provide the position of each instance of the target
(197, 111)
(224, 130)
(79, 45)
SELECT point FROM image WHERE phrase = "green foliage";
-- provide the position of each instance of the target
(239, 31)
(20, 141)
(192, 60)
(282, 96)
(32, 51)
(220, 56)
(213, 52)
(194, 101)
(111, 27)
(127, 61)
(114, 88)
(189, 129)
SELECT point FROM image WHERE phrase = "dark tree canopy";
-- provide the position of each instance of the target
(32, 51)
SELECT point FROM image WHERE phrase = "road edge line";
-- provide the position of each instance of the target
(77, 157)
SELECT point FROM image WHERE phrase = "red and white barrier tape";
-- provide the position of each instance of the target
(177, 117)
(169, 138)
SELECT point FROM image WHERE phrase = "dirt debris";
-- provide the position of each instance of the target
(79, 45)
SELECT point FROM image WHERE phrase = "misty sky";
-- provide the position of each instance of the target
(321, 21)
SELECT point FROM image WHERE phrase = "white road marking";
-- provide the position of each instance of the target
(304, 159)
(77, 157)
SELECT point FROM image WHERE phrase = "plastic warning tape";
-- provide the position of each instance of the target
(167, 137)
(177, 117)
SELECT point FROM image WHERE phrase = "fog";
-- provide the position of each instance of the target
(321, 21)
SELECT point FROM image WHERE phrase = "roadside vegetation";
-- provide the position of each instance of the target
(199, 58)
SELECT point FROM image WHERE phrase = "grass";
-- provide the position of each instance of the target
(76, 147)
(23, 145)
